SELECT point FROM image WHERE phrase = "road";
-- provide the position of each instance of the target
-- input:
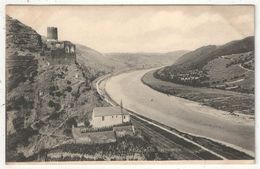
(249, 70)
(184, 115)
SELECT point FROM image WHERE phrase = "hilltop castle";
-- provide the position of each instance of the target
(58, 52)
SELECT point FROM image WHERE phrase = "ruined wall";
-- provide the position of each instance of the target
(121, 131)
(59, 52)
(93, 137)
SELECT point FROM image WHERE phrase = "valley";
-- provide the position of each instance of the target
(46, 96)
(184, 105)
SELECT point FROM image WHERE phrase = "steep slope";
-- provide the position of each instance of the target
(196, 55)
(221, 77)
(228, 67)
(21, 43)
(93, 59)
(42, 100)
(203, 55)
(48, 98)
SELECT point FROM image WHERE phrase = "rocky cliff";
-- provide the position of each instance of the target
(22, 43)
(43, 100)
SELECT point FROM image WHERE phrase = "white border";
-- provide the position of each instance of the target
(120, 2)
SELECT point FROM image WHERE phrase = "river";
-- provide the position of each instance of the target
(184, 115)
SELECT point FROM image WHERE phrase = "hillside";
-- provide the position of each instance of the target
(19, 52)
(45, 99)
(144, 60)
(194, 57)
(221, 77)
(42, 99)
(116, 62)
(93, 59)
(203, 55)
(228, 67)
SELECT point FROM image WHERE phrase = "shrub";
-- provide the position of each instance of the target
(71, 122)
(67, 132)
(21, 102)
(18, 122)
(69, 89)
(51, 103)
(87, 123)
(57, 106)
(53, 88)
(58, 94)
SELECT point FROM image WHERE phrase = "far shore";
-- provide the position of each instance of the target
(233, 102)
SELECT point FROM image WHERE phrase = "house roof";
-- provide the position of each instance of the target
(108, 111)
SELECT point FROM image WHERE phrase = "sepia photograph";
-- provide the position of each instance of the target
(133, 83)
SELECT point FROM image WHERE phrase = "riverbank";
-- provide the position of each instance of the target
(181, 114)
(221, 149)
(238, 104)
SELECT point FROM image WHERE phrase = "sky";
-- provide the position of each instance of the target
(140, 28)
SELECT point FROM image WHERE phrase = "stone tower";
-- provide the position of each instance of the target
(52, 34)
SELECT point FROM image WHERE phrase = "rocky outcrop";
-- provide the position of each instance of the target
(22, 45)
(21, 37)
(41, 98)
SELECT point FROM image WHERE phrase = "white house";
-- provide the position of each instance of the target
(109, 116)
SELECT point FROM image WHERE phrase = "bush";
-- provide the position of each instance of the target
(69, 89)
(67, 132)
(71, 122)
(53, 88)
(51, 103)
(18, 122)
(57, 106)
(54, 116)
(87, 123)
(58, 94)
(21, 102)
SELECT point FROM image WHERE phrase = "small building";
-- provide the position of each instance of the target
(109, 116)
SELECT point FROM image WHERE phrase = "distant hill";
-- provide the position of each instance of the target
(201, 56)
(229, 67)
(146, 60)
(196, 56)
(92, 62)
(115, 62)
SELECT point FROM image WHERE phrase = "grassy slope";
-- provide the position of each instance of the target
(229, 67)
(211, 62)
(201, 56)
(228, 71)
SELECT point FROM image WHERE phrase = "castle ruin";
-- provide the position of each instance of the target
(52, 34)
(58, 52)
